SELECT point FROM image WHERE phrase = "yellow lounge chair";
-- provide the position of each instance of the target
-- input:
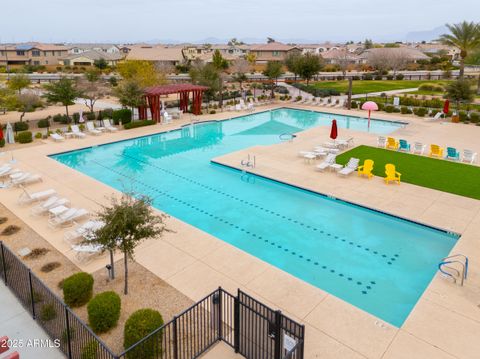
(366, 169)
(436, 151)
(392, 143)
(392, 174)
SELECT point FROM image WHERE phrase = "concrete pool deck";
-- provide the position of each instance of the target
(445, 322)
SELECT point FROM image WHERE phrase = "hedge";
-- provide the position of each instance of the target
(122, 116)
(104, 311)
(43, 123)
(20, 126)
(138, 325)
(77, 289)
(2, 142)
(136, 124)
(24, 137)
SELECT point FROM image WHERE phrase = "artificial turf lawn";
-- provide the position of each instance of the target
(367, 86)
(447, 176)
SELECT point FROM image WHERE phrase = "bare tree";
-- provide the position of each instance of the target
(398, 59)
(27, 102)
(343, 60)
(92, 88)
(388, 58)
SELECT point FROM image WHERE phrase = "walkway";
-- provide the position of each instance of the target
(18, 325)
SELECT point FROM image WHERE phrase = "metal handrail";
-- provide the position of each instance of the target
(462, 277)
(465, 262)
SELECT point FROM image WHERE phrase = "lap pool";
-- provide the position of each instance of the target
(379, 263)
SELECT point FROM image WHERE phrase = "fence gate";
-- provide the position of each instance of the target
(263, 333)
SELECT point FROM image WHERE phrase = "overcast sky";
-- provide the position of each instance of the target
(195, 20)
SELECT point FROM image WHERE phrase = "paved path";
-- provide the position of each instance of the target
(18, 325)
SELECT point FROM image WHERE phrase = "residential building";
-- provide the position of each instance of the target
(159, 54)
(318, 49)
(412, 55)
(342, 57)
(31, 54)
(273, 51)
(79, 48)
(88, 58)
(433, 49)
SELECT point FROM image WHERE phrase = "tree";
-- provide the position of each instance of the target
(130, 94)
(398, 59)
(251, 57)
(63, 91)
(273, 71)
(27, 103)
(92, 88)
(459, 91)
(19, 82)
(100, 64)
(343, 60)
(206, 75)
(368, 44)
(466, 37)
(143, 72)
(309, 65)
(128, 221)
(379, 58)
(270, 40)
(240, 68)
(219, 61)
(293, 63)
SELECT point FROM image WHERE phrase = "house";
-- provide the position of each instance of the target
(273, 51)
(79, 48)
(342, 57)
(234, 50)
(159, 54)
(88, 58)
(318, 49)
(433, 49)
(31, 54)
(411, 54)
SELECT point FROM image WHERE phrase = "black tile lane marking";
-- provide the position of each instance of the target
(253, 205)
(298, 256)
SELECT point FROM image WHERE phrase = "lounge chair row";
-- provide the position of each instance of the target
(90, 128)
(318, 101)
(419, 148)
(13, 177)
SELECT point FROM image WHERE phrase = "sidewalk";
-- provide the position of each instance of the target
(18, 325)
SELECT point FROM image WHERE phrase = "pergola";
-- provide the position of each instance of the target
(153, 102)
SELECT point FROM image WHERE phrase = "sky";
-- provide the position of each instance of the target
(124, 21)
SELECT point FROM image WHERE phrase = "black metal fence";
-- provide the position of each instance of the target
(251, 328)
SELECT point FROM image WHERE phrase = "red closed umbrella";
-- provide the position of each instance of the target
(334, 130)
(446, 107)
(1, 132)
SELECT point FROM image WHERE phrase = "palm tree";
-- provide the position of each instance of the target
(465, 36)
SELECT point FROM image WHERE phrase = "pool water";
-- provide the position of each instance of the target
(374, 261)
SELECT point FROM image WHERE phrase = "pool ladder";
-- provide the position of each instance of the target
(287, 137)
(447, 269)
(249, 162)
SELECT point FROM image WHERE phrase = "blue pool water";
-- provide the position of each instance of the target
(377, 262)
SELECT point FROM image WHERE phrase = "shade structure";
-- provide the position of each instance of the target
(369, 106)
(446, 107)
(9, 137)
(334, 130)
(153, 102)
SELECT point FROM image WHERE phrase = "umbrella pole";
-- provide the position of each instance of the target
(369, 118)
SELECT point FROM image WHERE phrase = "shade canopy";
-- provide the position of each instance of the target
(370, 106)
(172, 88)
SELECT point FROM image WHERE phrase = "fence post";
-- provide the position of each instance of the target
(69, 344)
(220, 331)
(4, 264)
(236, 324)
(278, 335)
(32, 295)
(175, 338)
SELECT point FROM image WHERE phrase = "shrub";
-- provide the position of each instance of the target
(138, 325)
(90, 350)
(24, 137)
(389, 108)
(122, 116)
(378, 77)
(50, 266)
(405, 110)
(48, 313)
(76, 117)
(77, 289)
(431, 87)
(356, 78)
(420, 111)
(354, 104)
(399, 77)
(475, 117)
(212, 112)
(58, 117)
(390, 77)
(2, 142)
(20, 126)
(104, 311)
(12, 229)
(463, 116)
(298, 98)
(43, 123)
(136, 124)
(368, 77)
(36, 253)
(90, 116)
(38, 135)
(396, 110)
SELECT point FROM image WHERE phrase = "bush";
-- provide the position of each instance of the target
(399, 77)
(389, 108)
(122, 116)
(77, 289)
(2, 142)
(136, 124)
(90, 116)
(368, 77)
(9, 230)
(48, 313)
(46, 268)
(24, 137)
(390, 77)
(212, 112)
(420, 111)
(463, 116)
(475, 117)
(20, 126)
(107, 113)
(405, 110)
(356, 78)
(43, 123)
(354, 104)
(431, 87)
(138, 325)
(378, 77)
(104, 311)
(90, 350)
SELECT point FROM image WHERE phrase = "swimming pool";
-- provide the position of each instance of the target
(376, 262)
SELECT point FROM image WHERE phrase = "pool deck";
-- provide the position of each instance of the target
(445, 322)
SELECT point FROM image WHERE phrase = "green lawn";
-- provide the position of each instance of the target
(452, 177)
(365, 86)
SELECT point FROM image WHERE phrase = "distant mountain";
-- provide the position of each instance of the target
(427, 35)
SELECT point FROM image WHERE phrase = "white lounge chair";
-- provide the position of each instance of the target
(340, 103)
(26, 197)
(351, 167)
(56, 137)
(67, 217)
(25, 178)
(344, 142)
(108, 126)
(85, 230)
(5, 170)
(50, 203)
(91, 129)
(419, 148)
(167, 118)
(437, 116)
(381, 141)
(329, 160)
(469, 156)
(84, 252)
(76, 132)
